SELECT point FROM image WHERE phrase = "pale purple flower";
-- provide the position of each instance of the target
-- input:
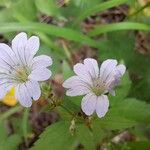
(94, 83)
(20, 69)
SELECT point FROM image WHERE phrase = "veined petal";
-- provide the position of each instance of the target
(92, 67)
(18, 46)
(40, 74)
(82, 72)
(121, 69)
(113, 78)
(74, 81)
(106, 68)
(32, 46)
(7, 56)
(88, 104)
(42, 61)
(23, 95)
(102, 106)
(77, 91)
(34, 89)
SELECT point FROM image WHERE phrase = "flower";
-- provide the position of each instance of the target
(21, 70)
(10, 99)
(94, 83)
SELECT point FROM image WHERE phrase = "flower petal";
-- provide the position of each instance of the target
(23, 95)
(88, 104)
(92, 67)
(106, 68)
(102, 106)
(74, 81)
(77, 91)
(33, 45)
(83, 72)
(34, 89)
(41, 61)
(76, 86)
(7, 56)
(18, 46)
(121, 68)
(40, 74)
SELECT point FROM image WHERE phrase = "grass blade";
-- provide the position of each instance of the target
(99, 8)
(66, 33)
(118, 26)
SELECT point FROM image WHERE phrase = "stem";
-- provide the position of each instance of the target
(141, 9)
(25, 124)
(10, 112)
(65, 108)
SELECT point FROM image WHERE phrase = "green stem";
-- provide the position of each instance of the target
(10, 112)
(25, 124)
(141, 9)
(65, 108)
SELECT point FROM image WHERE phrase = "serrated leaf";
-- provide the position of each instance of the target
(132, 109)
(56, 137)
(114, 122)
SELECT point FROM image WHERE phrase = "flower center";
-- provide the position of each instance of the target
(98, 87)
(22, 73)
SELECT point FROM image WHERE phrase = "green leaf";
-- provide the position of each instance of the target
(131, 109)
(114, 122)
(10, 112)
(11, 143)
(118, 26)
(47, 7)
(51, 30)
(98, 8)
(8, 142)
(85, 137)
(56, 137)
(145, 145)
(24, 11)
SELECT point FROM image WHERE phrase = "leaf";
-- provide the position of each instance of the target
(47, 7)
(98, 8)
(114, 122)
(10, 112)
(126, 114)
(11, 143)
(8, 142)
(66, 33)
(118, 26)
(145, 145)
(131, 109)
(56, 137)
(89, 139)
(85, 137)
(24, 11)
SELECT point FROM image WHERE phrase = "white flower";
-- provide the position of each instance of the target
(94, 83)
(20, 69)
